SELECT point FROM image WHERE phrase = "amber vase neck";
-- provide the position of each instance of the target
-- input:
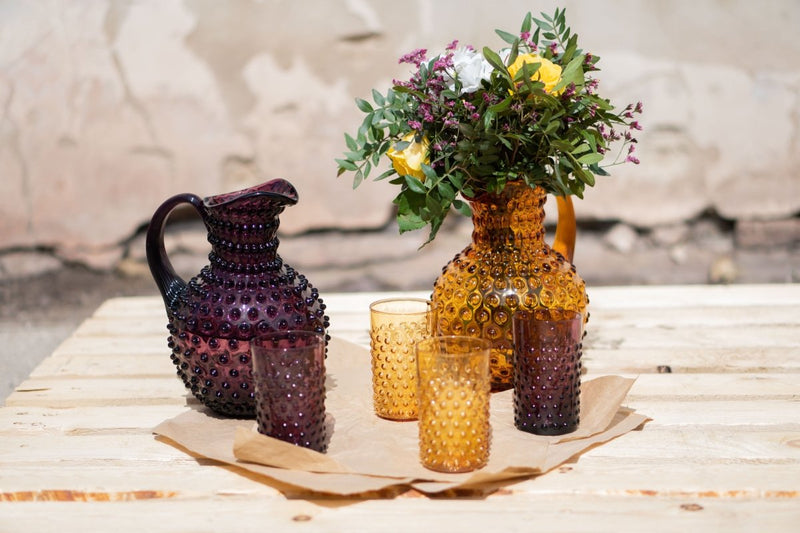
(513, 218)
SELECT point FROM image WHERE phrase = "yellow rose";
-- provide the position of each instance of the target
(408, 162)
(549, 73)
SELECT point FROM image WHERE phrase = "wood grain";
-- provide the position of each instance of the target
(716, 367)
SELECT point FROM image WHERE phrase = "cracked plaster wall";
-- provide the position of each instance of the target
(111, 106)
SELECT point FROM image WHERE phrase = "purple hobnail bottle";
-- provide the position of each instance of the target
(246, 290)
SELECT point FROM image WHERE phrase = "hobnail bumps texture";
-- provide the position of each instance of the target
(507, 267)
(291, 404)
(454, 430)
(246, 290)
(210, 331)
(547, 383)
(394, 368)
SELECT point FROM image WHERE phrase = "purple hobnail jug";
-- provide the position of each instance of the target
(246, 290)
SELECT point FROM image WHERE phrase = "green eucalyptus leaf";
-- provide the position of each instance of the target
(496, 62)
(355, 156)
(350, 142)
(363, 105)
(564, 146)
(446, 190)
(430, 175)
(506, 36)
(385, 175)
(581, 148)
(408, 221)
(414, 184)
(573, 73)
(598, 170)
(585, 176)
(347, 164)
(569, 52)
(526, 23)
(500, 106)
(378, 98)
(462, 207)
(590, 158)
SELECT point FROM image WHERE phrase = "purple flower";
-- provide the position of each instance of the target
(415, 125)
(416, 57)
(632, 159)
(443, 62)
(635, 125)
(453, 45)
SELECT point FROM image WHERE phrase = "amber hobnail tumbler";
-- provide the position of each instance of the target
(454, 389)
(289, 378)
(396, 324)
(547, 370)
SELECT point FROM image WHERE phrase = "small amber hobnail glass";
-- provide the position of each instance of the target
(454, 389)
(396, 324)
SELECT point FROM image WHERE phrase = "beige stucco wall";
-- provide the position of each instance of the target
(110, 106)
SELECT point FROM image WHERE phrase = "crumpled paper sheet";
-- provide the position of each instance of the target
(369, 456)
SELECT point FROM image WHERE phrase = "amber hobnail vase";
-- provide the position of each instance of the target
(507, 267)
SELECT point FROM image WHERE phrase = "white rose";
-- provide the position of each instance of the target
(470, 68)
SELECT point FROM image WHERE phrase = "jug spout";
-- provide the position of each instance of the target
(277, 193)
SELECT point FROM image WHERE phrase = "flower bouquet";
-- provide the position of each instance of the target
(469, 122)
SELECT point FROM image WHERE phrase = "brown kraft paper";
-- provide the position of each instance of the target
(367, 455)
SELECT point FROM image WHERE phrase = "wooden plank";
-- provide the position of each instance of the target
(628, 297)
(119, 326)
(98, 366)
(683, 296)
(597, 361)
(663, 412)
(705, 316)
(516, 512)
(757, 360)
(78, 392)
(624, 319)
(694, 337)
(84, 420)
(588, 475)
(722, 450)
(144, 345)
(188, 478)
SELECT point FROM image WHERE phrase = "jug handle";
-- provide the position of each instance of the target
(169, 283)
(564, 242)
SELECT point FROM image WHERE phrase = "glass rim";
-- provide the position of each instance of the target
(374, 306)
(479, 342)
(529, 315)
(261, 339)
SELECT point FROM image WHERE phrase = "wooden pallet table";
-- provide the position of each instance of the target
(718, 372)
